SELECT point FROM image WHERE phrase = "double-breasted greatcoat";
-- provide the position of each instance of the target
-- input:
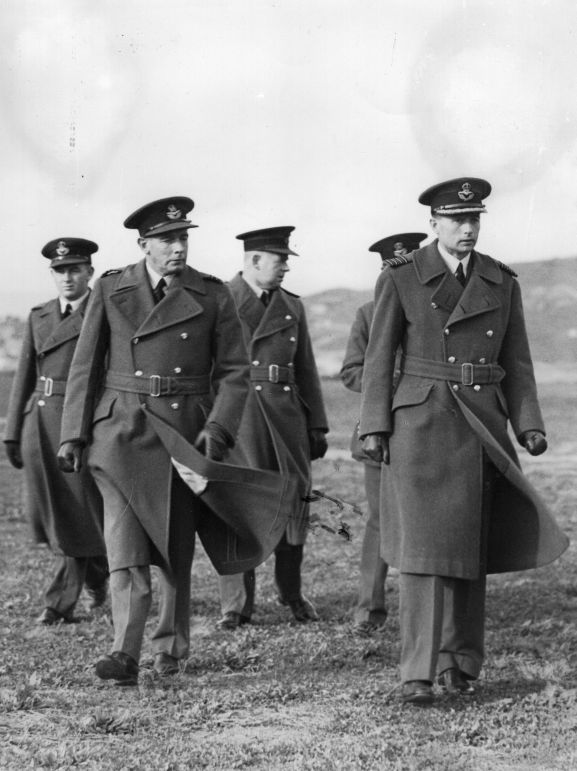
(441, 418)
(285, 399)
(65, 510)
(182, 360)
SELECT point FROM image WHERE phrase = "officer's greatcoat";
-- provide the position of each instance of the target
(285, 399)
(188, 352)
(65, 510)
(440, 424)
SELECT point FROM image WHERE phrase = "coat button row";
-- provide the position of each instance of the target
(255, 363)
(41, 403)
(138, 373)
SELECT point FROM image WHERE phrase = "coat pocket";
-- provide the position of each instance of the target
(104, 407)
(411, 391)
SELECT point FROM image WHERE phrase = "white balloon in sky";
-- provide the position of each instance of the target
(69, 92)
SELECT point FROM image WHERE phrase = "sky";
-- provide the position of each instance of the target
(329, 115)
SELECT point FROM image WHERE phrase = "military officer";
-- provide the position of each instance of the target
(168, 339)
(370, 611)
(458, 505)
(284, 423)
(65, 513)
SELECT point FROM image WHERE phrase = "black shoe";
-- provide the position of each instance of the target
(367, 628)
(97, 596)
(232, 620)
(303, 610)
(50, 617)
(417, 692)
(118, 666)
(165, 664)
(453, 681)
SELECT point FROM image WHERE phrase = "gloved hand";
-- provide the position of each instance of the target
(214, 441)
(317, 443)
(14, 454)
(534, 442)
(376, 447)
(69, 457)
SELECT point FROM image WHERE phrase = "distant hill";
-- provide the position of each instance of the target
(549, 296)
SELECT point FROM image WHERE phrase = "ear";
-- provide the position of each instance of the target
(434, 223)
(90, 271)
(143, 243)
(255, 260)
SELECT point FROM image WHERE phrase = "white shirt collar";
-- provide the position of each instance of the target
(256, 289)
(452, 262)
(155, 277)
(74, 304)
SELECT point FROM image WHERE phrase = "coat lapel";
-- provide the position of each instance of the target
(278, 315)
(477, 296)
(249, 308)
(132, 294)
(178, 304)
(54, 330)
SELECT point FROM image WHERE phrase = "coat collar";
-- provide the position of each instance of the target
(132, 295)
(263, 322)
(53, 331)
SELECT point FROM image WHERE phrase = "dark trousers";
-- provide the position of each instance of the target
(237, 592)
(442, 619)
(72, 574)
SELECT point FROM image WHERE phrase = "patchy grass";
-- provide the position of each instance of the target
(278, 696)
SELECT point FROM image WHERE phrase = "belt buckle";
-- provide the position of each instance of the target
(273, 373)
(48, 386)
(467, 373)
(155, 385)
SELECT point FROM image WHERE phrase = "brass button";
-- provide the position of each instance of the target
(452, 360)
(41, 403)
(288, 317)
(258, 388)
(135, 341)
(286, 388)
(290, 364)
(490, 333)
(447, 331)
(138, 373)
(482, 360)
(42, 377)
(178, 370)
(175, 405)
(255, 363)
(434, 306)
(184, 335)
(293, 339)
(476, 388)
(455, 387)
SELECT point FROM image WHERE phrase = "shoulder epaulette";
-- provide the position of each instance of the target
(506, 268)
(37, 307)
(290, 294)
(208, 277)
(110, 272)
(395, 262)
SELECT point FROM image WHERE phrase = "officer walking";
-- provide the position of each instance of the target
(458, 505)
(284, 423)
(167, 338)
(370, 611)
(65, 512)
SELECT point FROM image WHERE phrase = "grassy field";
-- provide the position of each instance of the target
(279, 696)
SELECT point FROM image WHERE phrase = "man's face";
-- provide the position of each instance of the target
(72, 280)
(166, 253)
(458, 234)
(269, 269)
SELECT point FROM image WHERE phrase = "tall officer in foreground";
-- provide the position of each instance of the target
(370, 611)
(458, 505)
(284, 423)
(168, 338)
(65, 512)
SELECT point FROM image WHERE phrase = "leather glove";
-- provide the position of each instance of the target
(317, 443)
(214, 441)
(376, 447)
(14, 454)
(69, 457)
(534, 442)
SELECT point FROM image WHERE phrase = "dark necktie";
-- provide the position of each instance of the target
(67, 311)
(460, 275)
(158, 291)
(265, 298)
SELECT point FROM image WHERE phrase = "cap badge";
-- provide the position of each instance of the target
(173, 213)
(465, 193)
(399, 249)
(61, 249)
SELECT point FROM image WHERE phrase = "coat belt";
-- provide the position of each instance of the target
(158, 385)
(467, 374)
(272, 373)
(47, 386)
